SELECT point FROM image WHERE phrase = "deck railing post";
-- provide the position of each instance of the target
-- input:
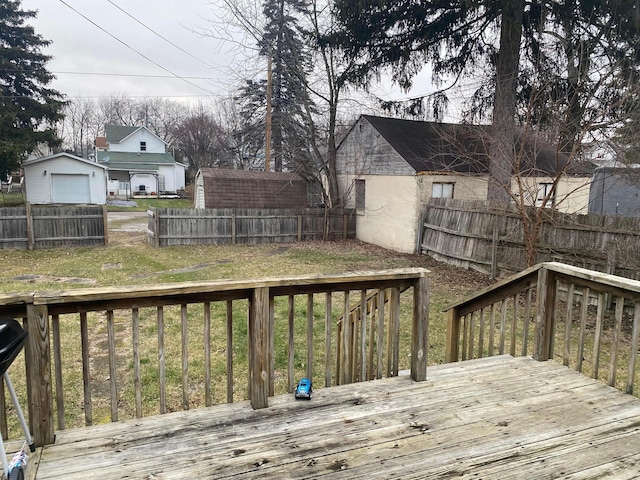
(259, 364)
(38, 364)
(420, 330)
(453, 336)
(546, 297)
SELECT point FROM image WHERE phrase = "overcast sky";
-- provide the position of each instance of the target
(114, 38)
(81, 47)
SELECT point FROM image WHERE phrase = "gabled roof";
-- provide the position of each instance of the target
(134, 161)
(460, 148)
(118, 133)
(60, 155)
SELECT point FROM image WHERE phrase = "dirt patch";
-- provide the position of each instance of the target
(120, 238)
(445, 278)
(51, 279)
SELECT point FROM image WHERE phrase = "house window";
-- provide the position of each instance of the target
(143, 146)
(360, 194)
(442, 190)
(544, 190)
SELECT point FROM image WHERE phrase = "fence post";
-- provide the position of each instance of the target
(546, 297)
(156, 227)
(105, 223)
(233, 229)
(38, 363)
(259, 334)
(30, 238)
(494, 253)
(299, 228)
(453, 336)
(420, 330)
(345, 227)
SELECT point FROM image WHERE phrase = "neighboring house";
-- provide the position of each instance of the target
(64, 178)
(227, 188)
(138, 162)
(389, 168)
(615, 191)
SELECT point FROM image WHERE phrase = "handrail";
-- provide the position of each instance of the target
(547, 294)
(42, 313)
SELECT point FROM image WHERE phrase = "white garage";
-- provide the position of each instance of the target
(65, 178)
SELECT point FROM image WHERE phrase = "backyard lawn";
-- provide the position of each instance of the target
(129, 260)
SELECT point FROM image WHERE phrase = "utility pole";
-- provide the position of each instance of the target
(267, 150)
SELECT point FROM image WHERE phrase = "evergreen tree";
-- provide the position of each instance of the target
(28, 107)
(281, 41)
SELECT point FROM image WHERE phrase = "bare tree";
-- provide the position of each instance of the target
(201, 139)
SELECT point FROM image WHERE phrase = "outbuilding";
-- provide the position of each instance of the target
(228, 188)
(64, 178)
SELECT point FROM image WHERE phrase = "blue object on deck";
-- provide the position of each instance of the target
(304, 389)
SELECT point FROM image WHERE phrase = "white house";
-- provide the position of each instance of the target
(138, 162)
(64, 178)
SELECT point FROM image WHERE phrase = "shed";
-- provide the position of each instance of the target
(615, 191)
(64, 178)
(228, 188)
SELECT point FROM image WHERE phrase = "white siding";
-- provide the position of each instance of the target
(39, 184)
(173, 177)
(132, 143)
(572, 193)
(392, 210)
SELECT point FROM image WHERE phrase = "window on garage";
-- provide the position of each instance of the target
(442, 190)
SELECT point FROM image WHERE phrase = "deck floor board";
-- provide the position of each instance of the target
(498, 417)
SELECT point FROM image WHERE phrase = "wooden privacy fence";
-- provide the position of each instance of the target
(587, 320)
(50, 226)
(476, 235)
(173, 226)
(144, 350)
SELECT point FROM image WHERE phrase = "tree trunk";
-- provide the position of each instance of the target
(502, 151)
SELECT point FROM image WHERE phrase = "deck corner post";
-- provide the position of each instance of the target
(259, 335)
(39, 380)
(453, 336)
(546, 297)
(420, 330)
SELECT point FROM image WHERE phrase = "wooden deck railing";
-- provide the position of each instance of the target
(108, 353)
(583, 318)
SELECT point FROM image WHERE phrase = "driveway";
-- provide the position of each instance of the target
(127, 221)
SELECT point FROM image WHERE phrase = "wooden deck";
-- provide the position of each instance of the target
(494, 418)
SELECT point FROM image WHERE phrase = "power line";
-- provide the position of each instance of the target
(111, 74)
(161, 36)
(134, 50)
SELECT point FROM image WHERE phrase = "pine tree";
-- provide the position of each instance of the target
(282, 42)
(28, 107)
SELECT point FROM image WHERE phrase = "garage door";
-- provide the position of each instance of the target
(70, 188)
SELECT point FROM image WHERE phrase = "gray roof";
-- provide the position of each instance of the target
(117, 133)
(60, 155)
(210, 172)
(462, 148)
(134, 161)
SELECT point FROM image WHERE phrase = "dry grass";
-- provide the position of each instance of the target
(129, 260)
